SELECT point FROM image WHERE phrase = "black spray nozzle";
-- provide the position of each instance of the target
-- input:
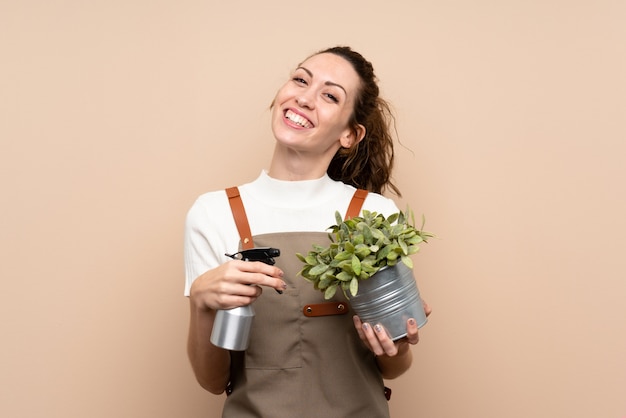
(264, 254)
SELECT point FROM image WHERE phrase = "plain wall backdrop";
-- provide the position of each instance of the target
(116, 115)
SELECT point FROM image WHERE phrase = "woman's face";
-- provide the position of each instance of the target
(312, 110)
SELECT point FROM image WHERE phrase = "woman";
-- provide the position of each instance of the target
(332, 136)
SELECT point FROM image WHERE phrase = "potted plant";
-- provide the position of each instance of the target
(368, 258)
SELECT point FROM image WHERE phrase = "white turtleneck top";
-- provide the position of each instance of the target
(271, 206)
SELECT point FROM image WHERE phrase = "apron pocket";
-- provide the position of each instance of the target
(275, 335)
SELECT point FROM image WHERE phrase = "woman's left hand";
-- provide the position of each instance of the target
(376, 338)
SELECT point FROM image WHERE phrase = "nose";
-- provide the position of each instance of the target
(304, 99)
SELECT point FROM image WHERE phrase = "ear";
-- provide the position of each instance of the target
(353, 136)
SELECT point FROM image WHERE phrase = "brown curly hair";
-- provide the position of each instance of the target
(368, 164)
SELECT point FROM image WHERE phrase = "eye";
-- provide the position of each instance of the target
(299, 80)
(332, 97)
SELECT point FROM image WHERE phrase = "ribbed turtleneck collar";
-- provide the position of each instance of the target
(281, 193)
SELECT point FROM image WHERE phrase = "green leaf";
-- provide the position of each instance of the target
(382, 254)
(344, 255)
(407, 261)
(343, 231)
(344, 276)
(317, 270)
(338, 217)
(378, 234)
(362, 251)
(413, 249)
(414, 240)
(327, 275)
(367, 266)
(346, 266)
(396, 230)
(354, 286)
(403, 247)
(305, 270)
(358, 239)
(330, 291)
(356, 265)
(304, 274)
(368, 237)
(323, 284)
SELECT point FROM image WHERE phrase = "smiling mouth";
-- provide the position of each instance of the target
(297, 119)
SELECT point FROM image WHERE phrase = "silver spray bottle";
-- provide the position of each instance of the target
(231, 329)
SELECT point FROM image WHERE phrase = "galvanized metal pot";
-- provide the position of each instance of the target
(390, 297)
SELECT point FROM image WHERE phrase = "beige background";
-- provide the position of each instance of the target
(116, 115)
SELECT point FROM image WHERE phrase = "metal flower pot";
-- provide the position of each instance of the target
(390, 297)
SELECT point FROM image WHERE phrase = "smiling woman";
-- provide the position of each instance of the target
(311, 116)
(367, 145)
(332, 137)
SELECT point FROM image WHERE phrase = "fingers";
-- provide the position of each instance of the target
(260, 274)
(235, 283)
(412, 335)
(376, 338)
(242, 281)
(427, 308)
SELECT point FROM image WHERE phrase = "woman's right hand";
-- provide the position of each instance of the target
(234, 283)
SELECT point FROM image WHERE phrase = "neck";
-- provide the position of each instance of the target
(290, 165)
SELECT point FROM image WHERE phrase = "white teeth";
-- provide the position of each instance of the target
(297, 119)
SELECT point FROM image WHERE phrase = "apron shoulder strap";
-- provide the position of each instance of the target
(241, 219)
(356, 203)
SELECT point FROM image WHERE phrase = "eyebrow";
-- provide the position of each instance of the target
(328, 83)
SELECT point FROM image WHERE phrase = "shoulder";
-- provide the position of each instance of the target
(381, 204)
(210, 200)
(210, 206)
(374, 202)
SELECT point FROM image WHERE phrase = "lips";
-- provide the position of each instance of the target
(298, 119)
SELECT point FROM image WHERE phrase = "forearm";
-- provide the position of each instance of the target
(210, 364)
(393, 366)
